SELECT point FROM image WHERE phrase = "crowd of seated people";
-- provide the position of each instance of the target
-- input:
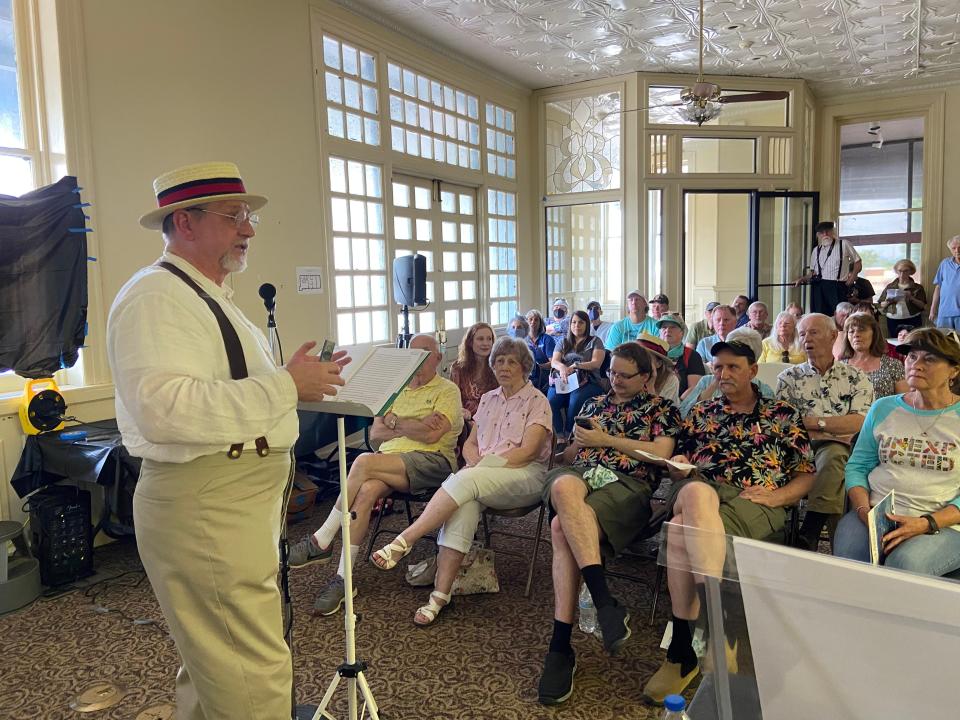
(846, 422)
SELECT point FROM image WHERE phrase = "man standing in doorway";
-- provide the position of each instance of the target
(833, 264)
(945, 306)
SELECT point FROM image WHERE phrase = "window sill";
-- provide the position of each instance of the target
(73, 395)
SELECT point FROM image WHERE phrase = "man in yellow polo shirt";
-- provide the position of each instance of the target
(418, 439)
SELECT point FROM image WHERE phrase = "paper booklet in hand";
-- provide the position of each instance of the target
(878, 525)
(375, 383)
(652, 459)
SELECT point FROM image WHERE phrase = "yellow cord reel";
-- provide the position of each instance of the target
(42, 408)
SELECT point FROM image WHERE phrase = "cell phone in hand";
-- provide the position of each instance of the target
(326, 352)
(584, 422)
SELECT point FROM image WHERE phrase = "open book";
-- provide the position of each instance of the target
(878, 525)
(373, 384)
(652, 459)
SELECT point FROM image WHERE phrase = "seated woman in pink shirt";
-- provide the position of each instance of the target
(506, 455)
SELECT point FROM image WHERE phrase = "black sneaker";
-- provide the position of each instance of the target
(556, 682)
(614, 623)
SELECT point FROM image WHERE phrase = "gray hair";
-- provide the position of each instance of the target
(775, 342)
(955, 240)
(844, 307)
(759, 305)
(522, 322)
(515, 348)
(825, 320)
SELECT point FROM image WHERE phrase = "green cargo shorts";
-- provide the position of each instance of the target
(622, 508)
(740, 517)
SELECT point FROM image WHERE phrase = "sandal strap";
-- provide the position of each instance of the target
(393, 552)
(432, 609)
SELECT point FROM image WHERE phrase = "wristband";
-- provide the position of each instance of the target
(932, 522)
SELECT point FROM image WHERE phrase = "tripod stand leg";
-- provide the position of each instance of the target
(327, 697)
(372, 710)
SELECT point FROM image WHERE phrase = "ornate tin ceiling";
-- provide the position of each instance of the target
(835, 44)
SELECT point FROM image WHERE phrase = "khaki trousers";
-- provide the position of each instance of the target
(208, 533)
(827, 495)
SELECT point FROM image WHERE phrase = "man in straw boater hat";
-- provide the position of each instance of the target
(200, 399)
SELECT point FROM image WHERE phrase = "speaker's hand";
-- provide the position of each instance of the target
(315, 379)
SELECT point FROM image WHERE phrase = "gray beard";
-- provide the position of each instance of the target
(231, 264)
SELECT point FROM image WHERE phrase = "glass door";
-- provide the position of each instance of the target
(783, 235)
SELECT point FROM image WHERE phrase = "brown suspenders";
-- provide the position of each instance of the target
(231, 342)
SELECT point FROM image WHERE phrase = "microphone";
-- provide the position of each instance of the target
(268, 292)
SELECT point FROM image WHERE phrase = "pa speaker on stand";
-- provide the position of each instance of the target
(409, 289)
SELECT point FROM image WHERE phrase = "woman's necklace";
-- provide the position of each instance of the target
(924, 431)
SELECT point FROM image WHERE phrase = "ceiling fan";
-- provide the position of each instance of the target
(703, 100)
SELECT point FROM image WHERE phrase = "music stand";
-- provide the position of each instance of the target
(351, 669)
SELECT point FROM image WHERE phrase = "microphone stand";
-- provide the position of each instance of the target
(297, 712)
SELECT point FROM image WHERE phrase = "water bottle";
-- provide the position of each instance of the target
(588, 613)
(673, 708)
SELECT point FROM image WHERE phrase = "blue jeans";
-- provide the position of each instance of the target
(925, 554)
(948, 322)
(572, 402)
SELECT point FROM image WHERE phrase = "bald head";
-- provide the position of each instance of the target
(428, 370)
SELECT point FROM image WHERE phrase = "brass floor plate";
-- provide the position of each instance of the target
(163, 711)
(98, 696)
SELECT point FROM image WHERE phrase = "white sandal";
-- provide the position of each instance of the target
(387, 557)
(432, 609)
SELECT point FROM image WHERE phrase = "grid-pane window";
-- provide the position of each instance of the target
(359, 251)
(439, 220)
(350, 89)
(433, 120)
(502, 251)
(501, 142)
(585, 252)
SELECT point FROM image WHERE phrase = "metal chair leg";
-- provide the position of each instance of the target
(536, 552)
(486, 530)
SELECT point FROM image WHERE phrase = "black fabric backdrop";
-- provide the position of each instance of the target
(43, 280)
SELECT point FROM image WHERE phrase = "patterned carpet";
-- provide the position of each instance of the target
(482, 658)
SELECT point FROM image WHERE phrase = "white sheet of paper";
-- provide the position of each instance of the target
(663, 462)
(564, 388)
(378, 376)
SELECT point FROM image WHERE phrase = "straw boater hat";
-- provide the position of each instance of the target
(197, 185)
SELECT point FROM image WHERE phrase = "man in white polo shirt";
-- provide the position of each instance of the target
(200, 399)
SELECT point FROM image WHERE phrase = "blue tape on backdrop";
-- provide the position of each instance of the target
(79, 230)
(74, 435)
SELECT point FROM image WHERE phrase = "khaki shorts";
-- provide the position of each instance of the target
(622, 508)
(740, 517)
(425, 470)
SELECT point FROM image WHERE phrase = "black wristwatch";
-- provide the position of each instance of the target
(931, 521)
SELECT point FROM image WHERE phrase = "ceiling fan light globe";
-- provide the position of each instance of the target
(700, 112)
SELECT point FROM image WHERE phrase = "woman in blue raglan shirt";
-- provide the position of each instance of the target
(910, 443)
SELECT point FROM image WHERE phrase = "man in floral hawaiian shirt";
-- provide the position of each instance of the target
(600, 501)
(753, 460)
(833, 398)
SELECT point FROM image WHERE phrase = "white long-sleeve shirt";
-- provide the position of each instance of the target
(175, 398)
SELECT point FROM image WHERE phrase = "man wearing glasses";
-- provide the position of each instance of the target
(600, 502)
(201, 400)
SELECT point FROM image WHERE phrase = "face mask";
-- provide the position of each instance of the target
(517, 333)
(593, 314)
(560, 312)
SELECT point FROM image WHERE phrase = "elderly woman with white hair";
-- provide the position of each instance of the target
(945, 304)
(506, 461)
(903, 300)
(783, 345)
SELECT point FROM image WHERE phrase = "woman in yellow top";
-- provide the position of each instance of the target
(783, 345)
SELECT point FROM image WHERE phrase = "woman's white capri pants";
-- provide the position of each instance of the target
(477, 488)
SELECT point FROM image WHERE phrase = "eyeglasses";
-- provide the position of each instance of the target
(239, 218)
(613, 375)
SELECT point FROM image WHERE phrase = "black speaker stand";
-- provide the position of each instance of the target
(403, 339)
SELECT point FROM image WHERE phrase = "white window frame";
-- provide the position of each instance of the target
(396, 163)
